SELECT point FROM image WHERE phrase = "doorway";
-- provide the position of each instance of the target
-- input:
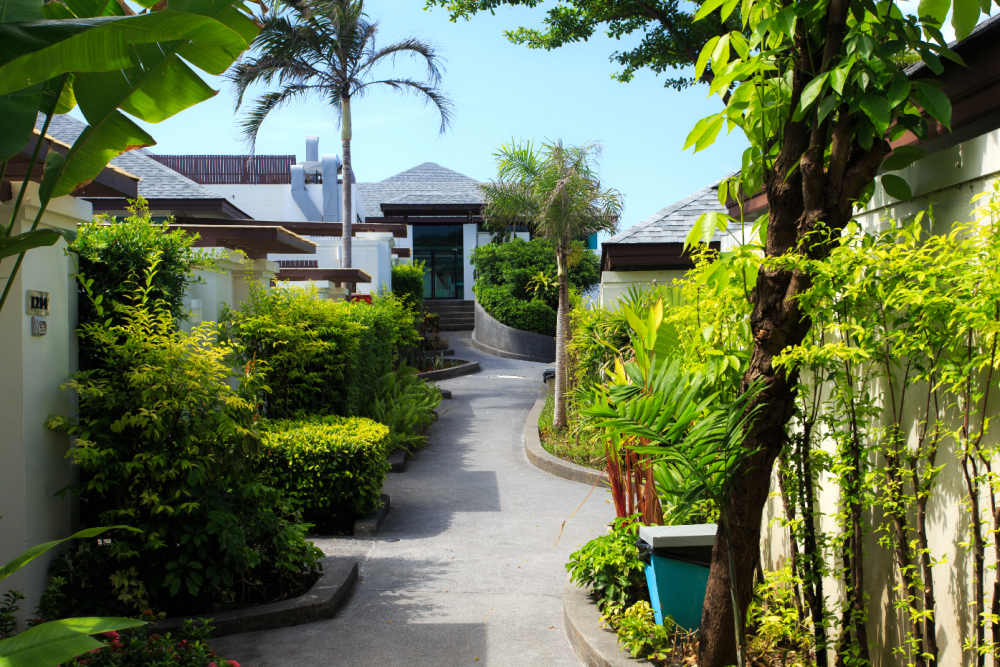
(440, 248)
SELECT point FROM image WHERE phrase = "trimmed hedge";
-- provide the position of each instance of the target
(333, 468)
(534, 315)
(408, 284)
(321, 357)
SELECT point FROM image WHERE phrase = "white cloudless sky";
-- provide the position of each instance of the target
(500, 92)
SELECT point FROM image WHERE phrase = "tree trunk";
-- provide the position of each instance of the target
(798, 201)
(559, 414)
(348, 221)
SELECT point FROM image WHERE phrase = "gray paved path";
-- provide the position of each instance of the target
(474, 573)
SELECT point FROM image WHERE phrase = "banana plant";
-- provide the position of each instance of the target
(110, 61)
(55, 642)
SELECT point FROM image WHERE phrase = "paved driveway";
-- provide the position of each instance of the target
(474, 578)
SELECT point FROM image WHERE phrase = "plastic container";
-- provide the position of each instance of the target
(677, 562)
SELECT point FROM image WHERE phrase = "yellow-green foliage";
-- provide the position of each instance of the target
(332, 467)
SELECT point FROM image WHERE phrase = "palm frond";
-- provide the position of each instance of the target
(430, 95)
(264, 105)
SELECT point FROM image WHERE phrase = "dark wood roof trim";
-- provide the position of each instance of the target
(647, 256)
(111, 182)
(222, 205)
(305, 228)
(255, 241)
(430, 219)
(432, 209)
(333, 275)
(401, 252)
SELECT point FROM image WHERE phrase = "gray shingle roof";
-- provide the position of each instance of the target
(672, 224)
(427, 183)
(158, 181)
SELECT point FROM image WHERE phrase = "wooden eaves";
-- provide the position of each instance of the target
(255, 241)
(304, 228)
(333, 275)
(110, 182)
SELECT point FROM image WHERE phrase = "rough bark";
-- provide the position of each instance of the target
(559, 413)
(798, 201)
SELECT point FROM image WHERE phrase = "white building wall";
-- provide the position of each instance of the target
(34, 460)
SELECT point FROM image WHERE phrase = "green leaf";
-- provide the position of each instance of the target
(936, 10)
(19, 110)
(935, 103)
(707, 8)
(876, 108)
(896, 187)
(898, 92)
(838, 76)
(704, 56)
(41, 50)
(810, 93)
(38, 238)
(13, 11)
(828, 104)
(784, 21)
(902, 157)
(36, 551)
(964, 16)
(728, 8)
(55, 642)
(696, 135)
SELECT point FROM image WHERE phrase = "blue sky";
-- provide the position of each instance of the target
(501, 91)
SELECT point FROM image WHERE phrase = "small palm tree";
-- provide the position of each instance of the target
(327, 48)
(556, 192)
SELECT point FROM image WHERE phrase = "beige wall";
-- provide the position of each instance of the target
(948, 179)
(33, 460)
(615, 284)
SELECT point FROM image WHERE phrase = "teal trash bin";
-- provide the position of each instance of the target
(677, 562)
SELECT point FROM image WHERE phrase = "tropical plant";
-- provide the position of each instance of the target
(165, 440)
(405, 404)
(555, 190)
(327, 48)
(610, 564)
(53, 643)
(188, 647)
(108, 59)
(819, 96)
(408, 284)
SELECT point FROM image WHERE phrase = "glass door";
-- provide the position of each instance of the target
(439, 247)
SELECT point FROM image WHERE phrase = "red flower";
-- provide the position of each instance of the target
(155, 636)
(232, 663)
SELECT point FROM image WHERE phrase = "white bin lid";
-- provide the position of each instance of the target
(697, 535)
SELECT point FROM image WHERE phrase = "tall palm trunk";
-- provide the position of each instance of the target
(559, 415)
(345, 137)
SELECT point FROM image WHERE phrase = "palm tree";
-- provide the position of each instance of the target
(556, 192)
(327, 48)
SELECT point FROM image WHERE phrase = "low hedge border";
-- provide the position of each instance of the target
(554, 465)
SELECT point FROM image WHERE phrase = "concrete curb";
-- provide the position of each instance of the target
(319, 603)
(554, 465)
(468, 368)
(397, 460)
(500, 340)
(368, 526)
(594, 645)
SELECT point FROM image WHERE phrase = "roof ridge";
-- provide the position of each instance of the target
(428, 168)
(663, 213)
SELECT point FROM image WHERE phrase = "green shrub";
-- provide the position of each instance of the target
(111, 253)
(332, 467)
(405, 404)
(321, 356)
(166, 445)
(536, 316)
(514, 264)
(408, 284)
(610, 563)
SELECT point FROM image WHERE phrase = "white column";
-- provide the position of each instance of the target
(469, 241)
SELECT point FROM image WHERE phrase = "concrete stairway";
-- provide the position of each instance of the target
(456, 314)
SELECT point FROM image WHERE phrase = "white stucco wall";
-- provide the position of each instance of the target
(615, 284)
(34, 460)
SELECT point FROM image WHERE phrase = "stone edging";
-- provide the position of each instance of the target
(367, 526)
(554, 465)
(318, 603)
(594, 645)
(468, 368)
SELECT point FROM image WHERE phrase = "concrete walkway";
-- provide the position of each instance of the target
(474, 578)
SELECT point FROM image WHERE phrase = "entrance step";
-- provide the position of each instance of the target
(453, 314)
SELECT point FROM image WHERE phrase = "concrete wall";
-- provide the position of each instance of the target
(32, 368)
(948, 179)
(494, 337)
(615, 284)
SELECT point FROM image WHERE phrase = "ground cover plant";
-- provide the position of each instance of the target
(332, 468)
(405, 404)
(569, 444)
(130, 648)
(166, 445)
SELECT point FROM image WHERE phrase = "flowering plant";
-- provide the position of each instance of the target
(137, 647)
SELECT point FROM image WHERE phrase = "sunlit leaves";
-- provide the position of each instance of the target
(704, 133)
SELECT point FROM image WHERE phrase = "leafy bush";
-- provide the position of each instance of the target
(611, 565)
(136, 647)
(516, 265)
(112, 252)
(406, 405)
(332, 467)
(321, 356)
(535, 316)
(408, 284)
(165, 445)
